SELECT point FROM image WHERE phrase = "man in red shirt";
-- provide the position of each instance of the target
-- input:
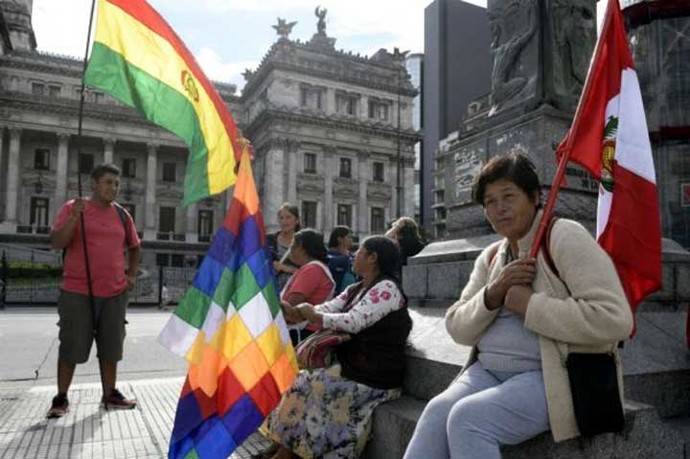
(110, 232)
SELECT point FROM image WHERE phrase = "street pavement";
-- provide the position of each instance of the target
(148, 372)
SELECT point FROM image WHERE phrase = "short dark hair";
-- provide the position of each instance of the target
(102, 169)
(337, 233)
(312, 243)
(516, 167)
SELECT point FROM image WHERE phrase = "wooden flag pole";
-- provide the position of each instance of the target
(87, 264)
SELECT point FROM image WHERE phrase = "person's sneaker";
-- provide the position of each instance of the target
(117, 401)
(59, 406)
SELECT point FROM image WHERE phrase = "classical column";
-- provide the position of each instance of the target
(409, 187)
(329, 167)
(150, 201)
(192, 234)
(3, 164)
(108, 149)
(61, 169)
(273, 184)
(13, 172)
(362, 208)
(391, 175)
(291, 153)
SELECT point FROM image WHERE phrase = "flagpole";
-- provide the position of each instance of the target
(87, 264)
(565, 149)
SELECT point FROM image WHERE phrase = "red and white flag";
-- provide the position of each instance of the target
(609, 138)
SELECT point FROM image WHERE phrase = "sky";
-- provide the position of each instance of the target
(228, 36)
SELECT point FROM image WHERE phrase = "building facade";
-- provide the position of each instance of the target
(331, 134)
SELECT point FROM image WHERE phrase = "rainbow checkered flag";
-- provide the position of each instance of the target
(230, 328)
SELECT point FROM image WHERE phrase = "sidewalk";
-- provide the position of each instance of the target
(88, 431)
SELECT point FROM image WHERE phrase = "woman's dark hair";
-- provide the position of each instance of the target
(312, 243)
(102, 169)
(388, 259)
(336, 234)
(294, 210)
(388, 255)
(516, 167)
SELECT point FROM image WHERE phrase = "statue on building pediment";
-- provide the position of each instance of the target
(321, 25)
(513, 23)
(284, 28)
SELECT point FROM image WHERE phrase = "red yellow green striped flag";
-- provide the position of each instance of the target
(138, 59)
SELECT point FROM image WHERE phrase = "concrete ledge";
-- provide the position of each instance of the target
(392, 427)
(645, 436)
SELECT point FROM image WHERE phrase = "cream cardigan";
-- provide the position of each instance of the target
(590, 315)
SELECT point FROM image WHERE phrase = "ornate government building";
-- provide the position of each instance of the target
(332, 133)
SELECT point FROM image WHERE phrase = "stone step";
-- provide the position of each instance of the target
(681, 424)
(645, 436)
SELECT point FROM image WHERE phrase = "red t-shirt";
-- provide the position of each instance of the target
(105, 238)
(311, 281)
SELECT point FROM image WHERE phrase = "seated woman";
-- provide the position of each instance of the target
(327, 411)
(522, 319)
(340, 258)
(406, 233)
(311, 283)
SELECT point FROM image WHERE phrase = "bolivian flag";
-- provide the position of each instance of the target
(138, 59)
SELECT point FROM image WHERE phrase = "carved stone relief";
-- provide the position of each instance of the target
(573, 27)
(513, 24)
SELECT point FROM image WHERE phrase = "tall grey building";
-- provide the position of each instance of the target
(457, 70)
(332, 133)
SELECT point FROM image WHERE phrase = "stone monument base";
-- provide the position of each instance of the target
(535, 134)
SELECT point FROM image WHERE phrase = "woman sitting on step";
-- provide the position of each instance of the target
(327, 411)
(522, 319)
(311, 283)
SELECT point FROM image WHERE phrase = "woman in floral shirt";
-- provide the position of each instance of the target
(327, 412)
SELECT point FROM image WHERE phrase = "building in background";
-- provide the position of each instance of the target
(332, 133)
(457, 70)
(330, 129)
(415, 67)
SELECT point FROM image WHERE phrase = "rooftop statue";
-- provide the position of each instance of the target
(321, 25)
(284, 28)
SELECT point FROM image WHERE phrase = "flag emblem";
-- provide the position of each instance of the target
(608, 154)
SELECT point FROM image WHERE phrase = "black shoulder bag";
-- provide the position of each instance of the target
(593, 381)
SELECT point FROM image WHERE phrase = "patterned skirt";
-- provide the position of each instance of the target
(326, 415)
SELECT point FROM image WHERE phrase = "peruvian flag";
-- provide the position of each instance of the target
(609, 138)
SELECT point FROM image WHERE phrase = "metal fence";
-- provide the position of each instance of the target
(27, 282)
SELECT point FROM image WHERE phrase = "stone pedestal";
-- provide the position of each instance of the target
(535, 134)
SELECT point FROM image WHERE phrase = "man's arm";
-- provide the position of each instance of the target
(61, 237)
(133, 254)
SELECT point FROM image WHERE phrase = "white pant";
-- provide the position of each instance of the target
(479, 412)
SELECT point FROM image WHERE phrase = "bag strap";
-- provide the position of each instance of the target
(492, 254)
(124, 218)
(546, 251)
